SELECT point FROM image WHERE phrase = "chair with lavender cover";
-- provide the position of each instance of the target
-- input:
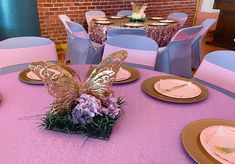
(217, 70)
(124, 13)
(64, 19)
(80, 49)
(142, 51)
(179, 17)
(93, 14)
(175, 58)
(16, 53)
(196, 46)
(117, 31)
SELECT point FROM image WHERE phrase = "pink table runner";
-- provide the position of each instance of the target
(148, 131)
(161, 34)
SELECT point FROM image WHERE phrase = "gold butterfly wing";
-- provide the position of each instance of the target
(135, 8)
(143, 8)
(98, 82)
(60, 84)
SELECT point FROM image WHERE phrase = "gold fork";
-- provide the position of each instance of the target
(176, 87)
(225, 150)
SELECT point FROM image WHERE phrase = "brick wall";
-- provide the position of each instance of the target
(52, 28)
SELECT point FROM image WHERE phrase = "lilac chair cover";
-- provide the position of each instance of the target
(64, 19)
(93, 14)
(218, 69)
(196, 46)
(80, 49)
(179, 17)
(16, 53)
(142, 51)
(124, 13)
(117, 31)
(175, 58)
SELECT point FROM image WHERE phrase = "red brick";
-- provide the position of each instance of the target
(52, 28)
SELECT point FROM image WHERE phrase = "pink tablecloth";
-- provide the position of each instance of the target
(161, 34)
(148, 131)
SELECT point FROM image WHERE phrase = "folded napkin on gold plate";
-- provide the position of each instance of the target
(224, 137)
(32, 76)
(122, 74)
(177, 88)
(101, 19)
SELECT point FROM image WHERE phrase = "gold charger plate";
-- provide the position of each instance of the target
(115, 17)
(133, 25)
(0, 97)
(158, 24)
(167, 21)
(102, 19)
(157, 18)
(24, 78)
(134, 75)
(191, 139)
(148, 87)
(103, 22)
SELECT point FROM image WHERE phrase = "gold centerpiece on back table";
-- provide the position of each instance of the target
(138, 14)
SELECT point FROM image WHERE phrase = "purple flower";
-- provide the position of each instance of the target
(88, 107)
(76, 114)
(112, 107)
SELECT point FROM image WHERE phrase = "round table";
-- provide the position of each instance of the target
(147, 132)
(161, 34)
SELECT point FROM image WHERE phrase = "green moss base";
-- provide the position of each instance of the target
(100, 128)
(136, 20)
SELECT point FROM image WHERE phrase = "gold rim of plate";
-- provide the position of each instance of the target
(148, 87)
(103, 22)
(167, 21)
(115, 17)
(157, 18)
(24, 78)
(0, 97)
(134, 75)
(133, 25)
(191, 139)
(158, 24)
(102, 19)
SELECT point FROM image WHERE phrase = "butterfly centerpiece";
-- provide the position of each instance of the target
(87, 106)
(138, 12)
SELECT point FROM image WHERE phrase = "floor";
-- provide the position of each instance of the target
(61, 50)
(208, 48)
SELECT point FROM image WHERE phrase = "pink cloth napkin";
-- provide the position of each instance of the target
(32, 75)
(223, 137)
(169, 87)
(122, 74)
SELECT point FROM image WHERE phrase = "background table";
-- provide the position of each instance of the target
(147, 132)
(161, 34)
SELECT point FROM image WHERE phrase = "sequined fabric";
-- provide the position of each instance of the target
(161, 34)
